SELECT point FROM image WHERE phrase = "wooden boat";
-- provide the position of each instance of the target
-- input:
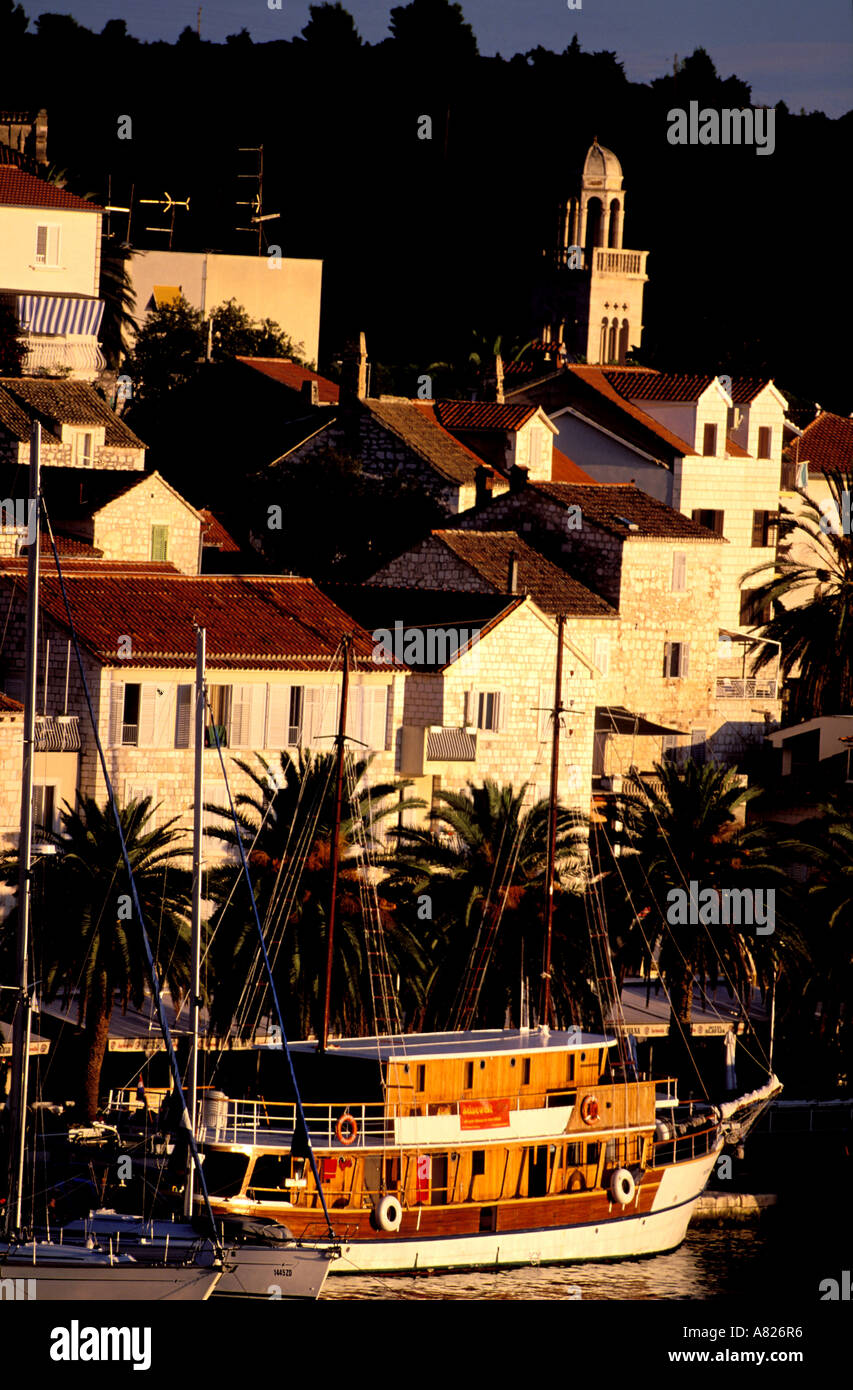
(471, 1149)
(488, 1149)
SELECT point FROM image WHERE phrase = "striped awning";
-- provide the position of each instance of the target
(451, 746)
(53, 313)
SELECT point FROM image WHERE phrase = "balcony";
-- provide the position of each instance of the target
(607, 261)
(746, 688)
(435, 744)
(57, 733)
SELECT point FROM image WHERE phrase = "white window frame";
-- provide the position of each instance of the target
(676, 669)
(83, 449)
(43, 259)
(601, 654)
(42, 786)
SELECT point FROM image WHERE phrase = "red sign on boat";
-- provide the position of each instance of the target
(483, 1114)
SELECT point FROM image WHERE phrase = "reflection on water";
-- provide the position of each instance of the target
(712, 1263)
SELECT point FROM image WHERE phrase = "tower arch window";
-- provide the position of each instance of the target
(602, 350)
(623, 341)
(594, 225)
(613, 229)
(613, 336)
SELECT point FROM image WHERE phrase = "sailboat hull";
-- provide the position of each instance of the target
(61, 1277)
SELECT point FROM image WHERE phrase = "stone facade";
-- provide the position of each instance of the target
(60, 454)
(123, 528)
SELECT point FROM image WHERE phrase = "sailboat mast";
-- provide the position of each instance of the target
(198, 828)
(23, 1012)
(545, 995)
(336, 831)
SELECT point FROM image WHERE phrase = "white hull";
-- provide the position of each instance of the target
(60, 1277)
(627, 1237)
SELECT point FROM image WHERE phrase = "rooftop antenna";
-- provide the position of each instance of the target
(169, 205)
(110, 206)
(257, 216)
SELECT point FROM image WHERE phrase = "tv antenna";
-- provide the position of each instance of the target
(257, 216)
(169, 205)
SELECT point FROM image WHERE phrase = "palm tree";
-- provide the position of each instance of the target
(117, 292)
(679, 833)
(814, 571)
(87, 945)
(286, 826)
(479, 872)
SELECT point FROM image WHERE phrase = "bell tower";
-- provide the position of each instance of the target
(598, 312)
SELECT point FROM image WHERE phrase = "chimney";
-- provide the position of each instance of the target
(310, 392)
(512, 573)
(354, 372)
(483, 482)
(493, 382)
(517, 478)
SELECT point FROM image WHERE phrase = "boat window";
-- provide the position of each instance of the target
(469, 1075)
(525, 1072)
(592, 1153)
(420, 1077)
(271, 1171)
(574, 1155)
(478, 1163)
(224, 1173)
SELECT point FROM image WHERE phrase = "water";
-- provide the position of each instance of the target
(713, 1262)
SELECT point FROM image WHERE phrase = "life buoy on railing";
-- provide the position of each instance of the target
(622, 1187)
(346, 1129)
(589, 1110)
(389, 1214)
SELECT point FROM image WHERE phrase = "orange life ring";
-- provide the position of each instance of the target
(346, 1129)
(589, 1110)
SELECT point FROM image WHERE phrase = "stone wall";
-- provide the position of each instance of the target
(54, 454)
(122, 528)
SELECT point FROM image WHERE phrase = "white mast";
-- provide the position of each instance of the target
(198, 829)
(23, 1012)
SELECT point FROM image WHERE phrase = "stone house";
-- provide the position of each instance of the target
(50, 265)
(273, 678)
(480, 689)
(707, 446)
(670, 680)
(78, 429)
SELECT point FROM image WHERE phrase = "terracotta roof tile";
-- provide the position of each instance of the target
(552, 590)
(650, 385)
(292, 375)
(596, 377)
(10, 706)
(415, 423)
(19, 189)
(826, 444)
(482, 415)
(621, 507)
(69, 402)
(214, 534)
(253, 623)
(565, 470)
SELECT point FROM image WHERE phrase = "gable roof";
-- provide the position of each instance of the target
(565, 470)
(253, 622)
(73, 494)
(625, 510)
(18, 189)
(826, 444)
(214, 535)
(50, 399)
(483, 415)
(292, 375)
(551, 588)
(587, 390)
(646, 384)
(416, 424)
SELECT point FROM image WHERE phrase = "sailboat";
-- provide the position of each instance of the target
(64, 1273)
(477, 1148)
(262, 1259)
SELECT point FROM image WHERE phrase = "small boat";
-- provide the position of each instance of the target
(69, 1274)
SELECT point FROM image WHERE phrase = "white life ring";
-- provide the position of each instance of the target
(389, 1214)
(622, 1187)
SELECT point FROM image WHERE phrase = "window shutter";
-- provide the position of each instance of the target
(501, 710)
(375, 716)
(355, 713)
(296, 716)
(183, 716)
(278, 716)
(116, 711)
(147, 714)
(667, 658)
(159, 543)
(469, 713)
(679, 570)
(685, 659)
(257, 718)
(53, 246)
(320, 716)
(601, 654)
(41, 245)
(758, 528)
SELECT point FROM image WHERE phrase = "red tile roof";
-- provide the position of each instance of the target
(416, 424)
(826, 444)
(214, 534)
(19, 189)
(10, 706)
(565, 470)
(68, 402)
(625, 510)
(649, 385)
(551, 588)
(482, 415)
(597, 378)
(292, 375)
(252, 622)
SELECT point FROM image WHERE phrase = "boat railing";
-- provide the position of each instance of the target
(684, 1147)
(260, 1122)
